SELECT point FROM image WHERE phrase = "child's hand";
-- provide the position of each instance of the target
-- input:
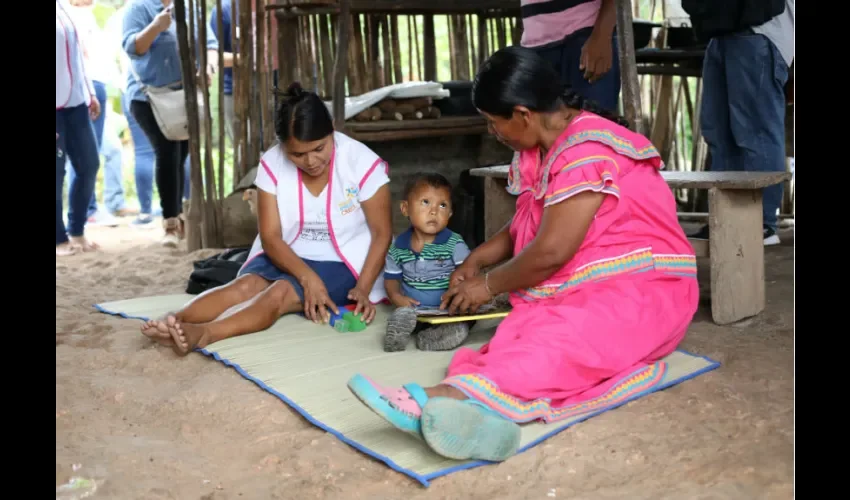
(403, 301)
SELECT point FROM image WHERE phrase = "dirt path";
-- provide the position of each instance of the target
(150, 426)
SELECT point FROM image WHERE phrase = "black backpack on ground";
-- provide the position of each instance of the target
(217, 270)
(714, 18)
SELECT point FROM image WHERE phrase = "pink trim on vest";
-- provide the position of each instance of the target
(328, 210)
(82, 58)
(372, 169)
(300, 206)
(270, 174)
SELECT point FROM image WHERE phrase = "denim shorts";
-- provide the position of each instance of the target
(335, 275)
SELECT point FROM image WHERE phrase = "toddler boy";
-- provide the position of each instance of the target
(419, 264)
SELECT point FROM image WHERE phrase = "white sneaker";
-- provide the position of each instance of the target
(770, 237)
(103, 218)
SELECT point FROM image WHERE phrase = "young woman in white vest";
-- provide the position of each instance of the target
(325, 227)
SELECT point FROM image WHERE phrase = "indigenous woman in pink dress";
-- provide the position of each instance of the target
(601, 276)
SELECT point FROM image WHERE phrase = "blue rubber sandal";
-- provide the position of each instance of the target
(464, 430)
(400, 407)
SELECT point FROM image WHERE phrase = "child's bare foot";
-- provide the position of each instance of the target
(157, 329)
(187, 337)
(81, 243)
(65, 249)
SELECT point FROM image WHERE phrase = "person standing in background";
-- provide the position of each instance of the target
(143, 155)
(226, 41)
(744, 74)
(577, 38)
(149, 38)
(103, 71)
(76, 106)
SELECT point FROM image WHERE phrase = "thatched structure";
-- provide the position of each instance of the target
(350, 47)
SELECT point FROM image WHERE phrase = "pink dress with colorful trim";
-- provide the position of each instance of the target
(593, 334)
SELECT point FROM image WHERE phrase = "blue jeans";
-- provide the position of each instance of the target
(77, 142)
(113, 192)
(566, 57)
(144, 159)
(743, 109)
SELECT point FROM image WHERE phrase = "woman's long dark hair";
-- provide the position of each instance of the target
(301, 114)
(518, 76)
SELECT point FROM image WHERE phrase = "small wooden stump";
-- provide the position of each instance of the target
(735, 246)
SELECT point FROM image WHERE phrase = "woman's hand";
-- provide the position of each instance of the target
(316, 300)
(363, 304)
(466, 296)
(162, 21)
(463, 272)
(94, 109)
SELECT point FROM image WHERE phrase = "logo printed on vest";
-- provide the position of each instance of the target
(350, 204)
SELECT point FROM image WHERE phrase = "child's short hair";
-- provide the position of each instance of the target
(432, 179)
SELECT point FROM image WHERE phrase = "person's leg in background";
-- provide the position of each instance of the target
(168, 172)
(96, 217)
(606, 90)
(185, 177)
(63, 244)
(714, 113)
(187, 174)
(756, 74)
(229, 114)
(113, 180)
(143, 167)
(81, 146)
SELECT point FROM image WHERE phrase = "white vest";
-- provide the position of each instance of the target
(351, 164)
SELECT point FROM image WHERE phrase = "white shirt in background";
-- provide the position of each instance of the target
(99, 52)
(73, 86)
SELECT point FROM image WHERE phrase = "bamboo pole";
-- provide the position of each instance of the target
(211, 208)
(340, 64)
(395, 49)
(429, 49)
(219, 28)
(416, 48)
(386, 52)
(628, 66)
(194, 233)
(268, 96)
(327, 54)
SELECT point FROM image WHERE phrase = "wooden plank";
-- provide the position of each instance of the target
(499, 206)
(701, 247)
(497, 172)
(685, 180)
(445, 122)
(736, 249)
(724, 180)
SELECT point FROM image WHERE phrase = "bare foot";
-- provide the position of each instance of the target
(188, 336)
(81, 243)
(65, 249)
(157, 329)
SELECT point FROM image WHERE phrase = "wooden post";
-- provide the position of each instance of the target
(194, 217)
(628, 66)
(429, 49)
(220, 91)
(341, 64)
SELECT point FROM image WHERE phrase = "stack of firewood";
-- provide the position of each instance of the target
(417, 108)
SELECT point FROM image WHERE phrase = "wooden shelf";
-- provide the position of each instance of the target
(392, 130)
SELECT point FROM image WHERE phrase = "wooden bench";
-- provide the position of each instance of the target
(735, 246)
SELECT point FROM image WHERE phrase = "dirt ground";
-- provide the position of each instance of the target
(143, 424)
